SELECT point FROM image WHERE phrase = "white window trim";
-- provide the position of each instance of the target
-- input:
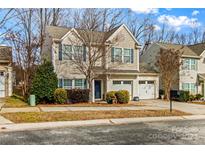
(73, 84)
(189, 67)
(189, 88)
(72, 50)
(122, 55)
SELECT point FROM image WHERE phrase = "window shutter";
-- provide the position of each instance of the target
(132, 56)
(112, 54)
(84, 53)
(60, 53)
(85, 84)
(60, 83)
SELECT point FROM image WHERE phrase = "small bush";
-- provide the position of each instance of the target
(110, 97)
(198, 96)
(122, 96)
(184, 96)
(60, 95)
(78, 95)
(191, 97)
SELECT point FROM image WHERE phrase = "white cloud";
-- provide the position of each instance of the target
(179, 21)
(156, 27)
(195, 12)
(168, 9)
(145, 10)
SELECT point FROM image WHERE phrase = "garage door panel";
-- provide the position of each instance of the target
(146, 89)
(122, 85)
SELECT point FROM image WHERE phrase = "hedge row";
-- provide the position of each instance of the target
(72, 96)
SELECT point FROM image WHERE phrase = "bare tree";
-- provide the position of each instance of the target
(97, 19)
(168, 62)
(93, 57)
(26, 43)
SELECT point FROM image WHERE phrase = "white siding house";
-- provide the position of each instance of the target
(125, 75)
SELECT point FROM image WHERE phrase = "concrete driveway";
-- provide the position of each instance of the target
(182, 106)
(1, 103)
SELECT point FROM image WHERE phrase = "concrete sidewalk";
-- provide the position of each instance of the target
(50, 125)
(4, 121)
(57, 109)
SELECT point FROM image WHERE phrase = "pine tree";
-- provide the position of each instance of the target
(44, 83)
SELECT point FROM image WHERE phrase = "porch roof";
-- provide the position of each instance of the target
(202, 76)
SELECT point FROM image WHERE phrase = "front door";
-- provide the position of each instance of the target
(98, 89)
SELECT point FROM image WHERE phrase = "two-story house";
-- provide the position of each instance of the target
(5, 71)
(192, 71)
(125, 75)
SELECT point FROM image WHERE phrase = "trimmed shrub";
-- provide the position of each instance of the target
(198, 96)
(184, 96)
(110, 97)
(191, 97)
(44, 83)
(122, 96)
(78, 95)
(60, 95)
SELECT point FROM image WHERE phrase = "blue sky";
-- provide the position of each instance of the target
(180, 19)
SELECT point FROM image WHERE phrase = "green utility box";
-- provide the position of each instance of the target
(32, 100)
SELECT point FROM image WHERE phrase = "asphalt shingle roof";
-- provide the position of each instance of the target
(198, 48)
(57, 32)
(5, 53)
(185, 49)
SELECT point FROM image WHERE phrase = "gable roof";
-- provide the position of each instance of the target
(187, 52)
(198, 48)
(58, 32)
(5, 54)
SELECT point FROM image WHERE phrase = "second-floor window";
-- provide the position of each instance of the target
(189, 64)
(122, 55)
(69, 52)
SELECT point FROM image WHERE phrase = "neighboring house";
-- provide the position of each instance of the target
(123, 76)
(5, 71)
(191, 75)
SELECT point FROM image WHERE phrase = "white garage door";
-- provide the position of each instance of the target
(122, 85)
(146, 89)
(2, 84)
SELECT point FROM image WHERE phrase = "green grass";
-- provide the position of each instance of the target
(14, 102)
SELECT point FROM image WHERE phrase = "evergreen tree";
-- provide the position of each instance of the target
(44, 83)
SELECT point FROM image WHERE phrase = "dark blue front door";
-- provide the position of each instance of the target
(97, 89)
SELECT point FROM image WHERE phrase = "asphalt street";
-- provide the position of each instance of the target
(172, 132)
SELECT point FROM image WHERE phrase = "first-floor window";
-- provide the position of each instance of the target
(67, 84)
(72, 83)
(191, 87)
(79, 83)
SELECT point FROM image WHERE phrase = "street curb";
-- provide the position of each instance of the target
(61, 124)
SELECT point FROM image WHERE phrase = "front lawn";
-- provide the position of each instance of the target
(14, 102)
(23, 117)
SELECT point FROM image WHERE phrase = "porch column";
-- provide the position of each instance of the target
(204, 89)
(93, 99)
